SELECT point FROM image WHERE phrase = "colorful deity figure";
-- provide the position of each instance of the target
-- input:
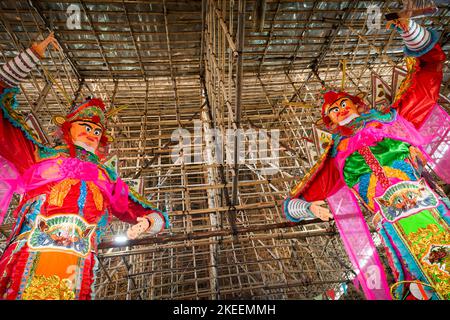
(376, 159)
(68, 195)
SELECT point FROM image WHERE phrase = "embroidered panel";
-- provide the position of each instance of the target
(406, 198)
(65, 232)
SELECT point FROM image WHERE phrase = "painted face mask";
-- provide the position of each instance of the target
(85, 125)
(340, 108)
(342, 111)
(86, 135)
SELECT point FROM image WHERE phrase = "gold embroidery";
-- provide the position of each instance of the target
(420, 242)
(96, 194)
(371, 190)
(60, 191)
(395, 173)
(406, 83)
(48, 288)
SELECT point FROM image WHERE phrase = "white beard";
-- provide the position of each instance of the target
(84, 146)
(348, 119)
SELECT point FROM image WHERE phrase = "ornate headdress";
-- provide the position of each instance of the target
(91, 110)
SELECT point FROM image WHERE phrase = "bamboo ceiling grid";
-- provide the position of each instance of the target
(219, 65)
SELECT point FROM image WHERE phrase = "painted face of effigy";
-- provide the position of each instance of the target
(86, 135)
(342, 111)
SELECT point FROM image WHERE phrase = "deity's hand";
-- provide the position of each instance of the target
(320, 212)
(402, 22)
(40, 47)
(134, 231)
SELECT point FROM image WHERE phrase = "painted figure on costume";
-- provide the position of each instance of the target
(377, 157)
(68, 195)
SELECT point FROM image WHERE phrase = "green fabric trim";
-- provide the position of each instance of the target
(386, 152)
(355, 167)
(419, 220)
